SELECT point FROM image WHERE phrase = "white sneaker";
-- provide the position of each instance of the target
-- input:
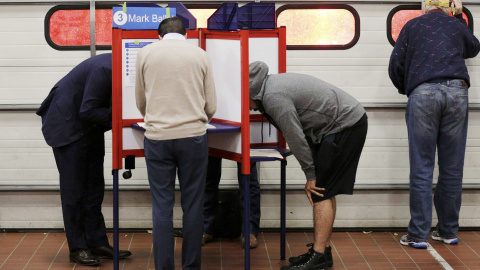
(436, 236)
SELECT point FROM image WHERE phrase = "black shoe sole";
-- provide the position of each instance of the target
(84, 264)
(111, 258)
(330, 264)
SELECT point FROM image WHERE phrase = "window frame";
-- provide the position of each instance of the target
(72, 7)
(349, 45)
(417, 7)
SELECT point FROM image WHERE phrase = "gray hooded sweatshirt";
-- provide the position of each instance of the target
(303, 108)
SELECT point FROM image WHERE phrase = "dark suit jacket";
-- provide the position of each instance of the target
(79, 102)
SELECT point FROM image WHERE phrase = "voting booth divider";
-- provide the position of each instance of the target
(236, 131)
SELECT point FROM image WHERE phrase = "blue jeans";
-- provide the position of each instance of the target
(437, 117)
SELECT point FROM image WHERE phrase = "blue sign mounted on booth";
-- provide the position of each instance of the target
(140, 18)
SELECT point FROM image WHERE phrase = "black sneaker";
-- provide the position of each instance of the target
(328, 252)
(301, 258)
(314, 261)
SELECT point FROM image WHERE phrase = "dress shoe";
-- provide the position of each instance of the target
(84, 257)
(304, 257)
(206, 238)
(253, 241)
(106, 252)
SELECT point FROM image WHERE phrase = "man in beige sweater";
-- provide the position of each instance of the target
(175, 93)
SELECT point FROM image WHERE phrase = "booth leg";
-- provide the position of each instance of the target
(283, 227)
(246, 218)
(115, 219)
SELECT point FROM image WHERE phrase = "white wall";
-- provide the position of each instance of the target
(29, 68)
(372, 208)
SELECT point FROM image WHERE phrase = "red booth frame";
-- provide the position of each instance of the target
(118, 123)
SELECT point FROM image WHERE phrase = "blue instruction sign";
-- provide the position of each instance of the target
(140, 18)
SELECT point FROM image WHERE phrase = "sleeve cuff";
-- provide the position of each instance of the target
(310, 174)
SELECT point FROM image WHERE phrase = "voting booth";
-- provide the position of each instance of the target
(235, 133)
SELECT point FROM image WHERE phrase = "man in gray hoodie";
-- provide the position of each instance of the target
(325, 129)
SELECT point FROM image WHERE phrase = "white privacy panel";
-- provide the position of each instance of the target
(132, 139)
(265, 50)
(225, 57)
(231, 142)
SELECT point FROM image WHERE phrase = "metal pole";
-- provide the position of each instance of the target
(283, 227)
(93, 51)
(246, 218)
(115, 219)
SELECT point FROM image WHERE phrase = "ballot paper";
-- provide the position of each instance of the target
(265, 153)
(210, 126)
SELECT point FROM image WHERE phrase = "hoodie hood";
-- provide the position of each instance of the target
(258, 72)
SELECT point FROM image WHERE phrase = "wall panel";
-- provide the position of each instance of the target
(29, 67)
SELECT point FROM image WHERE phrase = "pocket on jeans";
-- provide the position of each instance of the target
(422, 104)
(460, 106)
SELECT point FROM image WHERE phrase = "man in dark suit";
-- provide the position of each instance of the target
(75, 116)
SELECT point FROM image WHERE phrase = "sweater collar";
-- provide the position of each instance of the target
(433, 10)
(174, 36)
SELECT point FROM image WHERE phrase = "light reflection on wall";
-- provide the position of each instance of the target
(400, 18)
(317, 26)
(202, 14)
(72, 27)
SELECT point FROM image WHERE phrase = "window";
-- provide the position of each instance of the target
(68, 27)
(317, 27)
(400, 15)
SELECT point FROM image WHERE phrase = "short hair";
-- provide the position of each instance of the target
(429, 8)
(171, 25)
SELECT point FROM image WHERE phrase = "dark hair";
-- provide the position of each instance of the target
(171, 25)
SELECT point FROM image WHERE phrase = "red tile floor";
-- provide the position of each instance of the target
(351, 250)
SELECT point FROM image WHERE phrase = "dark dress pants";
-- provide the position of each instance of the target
(214, 174)
(188, 157)
(82, 184)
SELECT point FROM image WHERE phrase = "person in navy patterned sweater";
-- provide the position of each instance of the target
(428, 65)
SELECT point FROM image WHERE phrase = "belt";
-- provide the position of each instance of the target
(449, 82)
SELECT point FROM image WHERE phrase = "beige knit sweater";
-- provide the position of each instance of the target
(174, 90)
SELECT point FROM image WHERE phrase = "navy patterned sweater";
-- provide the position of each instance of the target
(431, 48)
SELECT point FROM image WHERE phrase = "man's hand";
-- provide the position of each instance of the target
(457, 7)
(311, 188)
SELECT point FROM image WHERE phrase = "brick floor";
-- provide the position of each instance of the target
(350, 250)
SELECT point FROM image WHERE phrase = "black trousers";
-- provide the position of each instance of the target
(188, 158)
(82, 184)
(214, 174)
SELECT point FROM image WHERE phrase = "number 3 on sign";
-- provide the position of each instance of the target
(120, 18)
